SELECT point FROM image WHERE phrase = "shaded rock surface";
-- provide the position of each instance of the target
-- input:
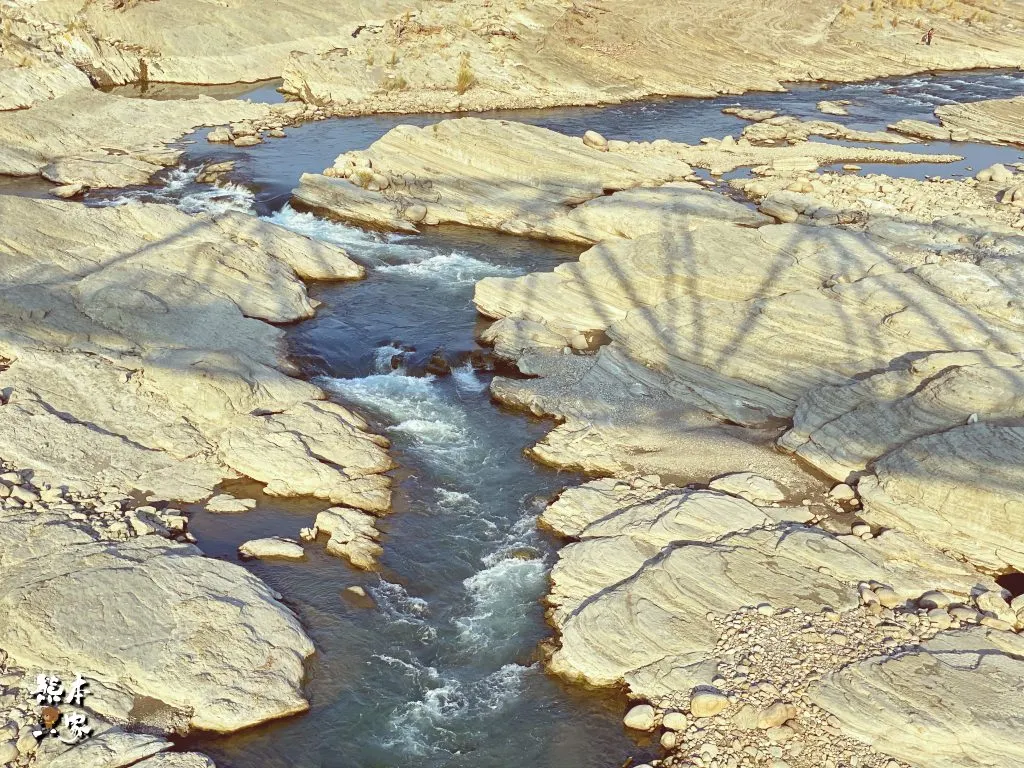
(527, 180)
(138, 356)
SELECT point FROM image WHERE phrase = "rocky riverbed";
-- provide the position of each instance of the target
(863, 324)
(798, 380)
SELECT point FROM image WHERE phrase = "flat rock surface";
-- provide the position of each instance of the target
(137, 355)
(996, 121)
(352, 535)
(528, 180)
(957, 695)
(477, 55)
(200, 636)
(190, 41)
(85, 136)
(271, 548)
(635, 598)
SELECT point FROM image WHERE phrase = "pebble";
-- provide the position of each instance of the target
(862, 530)
(640, 718)
(595, 140)
(675, 721)
(887, 597)
(934, 599)
(842, 492)
(708, 703)
(775, 715)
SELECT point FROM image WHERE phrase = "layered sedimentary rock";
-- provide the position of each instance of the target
(842, 429)
(101, 140)
(528, 180)
(962, 717)
(721, 616)
(187, 41)
(481, 55)
(959, 489)
(140, 359)
(147, 618)
(139, 335)
(889, 202)
(996, 121)
(29, 75)
(635, 598)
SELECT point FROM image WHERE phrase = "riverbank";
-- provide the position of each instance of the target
(828, 336)
(119, 405)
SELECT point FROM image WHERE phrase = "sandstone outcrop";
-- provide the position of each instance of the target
(963, 717)
(351, 534)
(701, 601)
(271, 548)
(476, 54)
(664, 560)
(996, 121)
(138, 355)
(99, 140)
(29, 75)
(527, 180)
(828, 198)
(224, 42)
(174, 605)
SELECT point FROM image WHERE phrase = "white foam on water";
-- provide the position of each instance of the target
(454, 267)
(383, 359)
(467, 381)
(435, 431)
(502, 596)
(180, 177)
(441, 718)
(220, 198)
(435, 428)
(456, 499)
(378, 248)
(395, 603)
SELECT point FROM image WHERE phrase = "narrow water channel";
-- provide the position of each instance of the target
(442, 669)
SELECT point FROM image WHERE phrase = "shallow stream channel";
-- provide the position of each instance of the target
(441, 667)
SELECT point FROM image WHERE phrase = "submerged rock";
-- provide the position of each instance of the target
(273, 547)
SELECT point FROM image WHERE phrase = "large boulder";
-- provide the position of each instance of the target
(199, 638)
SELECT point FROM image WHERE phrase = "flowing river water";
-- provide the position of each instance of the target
(443, 668)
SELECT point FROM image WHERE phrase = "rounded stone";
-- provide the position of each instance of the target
(842, 492)
(595, 140)
(416, 213)
(776, 715)
(640, 718)
(675, 721)
(708, 703)
(934, 599)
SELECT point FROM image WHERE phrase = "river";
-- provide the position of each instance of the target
(443, 669)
